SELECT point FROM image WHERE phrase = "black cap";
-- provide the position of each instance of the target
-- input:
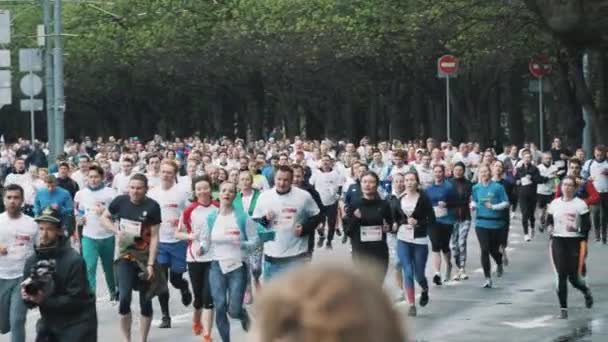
(50, 215)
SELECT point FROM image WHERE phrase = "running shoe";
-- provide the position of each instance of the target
(527, 238)
(456, 276)
(344, 239)
(186, 296)
(505, 259)
(424, 298)
(328, 245)
(487, 284)
(197, 328)
(588, 299)
(463, 274)
(499, 271)
(165, 322)
(412, 311)
(338, 231)
(563, 314)
(437, 279)
(321, 241)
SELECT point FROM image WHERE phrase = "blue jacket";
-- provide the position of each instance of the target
(444, 192)
(59, 196)
(494, 193)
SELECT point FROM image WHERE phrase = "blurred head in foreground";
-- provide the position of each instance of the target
(325, 304)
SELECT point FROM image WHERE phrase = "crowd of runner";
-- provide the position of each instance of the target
(234, 214)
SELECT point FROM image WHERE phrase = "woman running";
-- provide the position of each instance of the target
(462, 222)
(498, 176)
(229, 235)
(193, 218)
(442, 196)
(489, 201)
(247, 199)
(413, 213)
(369, 219)
(569, 224)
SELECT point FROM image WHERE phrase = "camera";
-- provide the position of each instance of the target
(40, 279)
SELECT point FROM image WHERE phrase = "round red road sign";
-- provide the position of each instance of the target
(447, 64)
(540, 66)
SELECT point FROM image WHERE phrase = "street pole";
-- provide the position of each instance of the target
(447, 97)
(541, 119)
(48, 79)
(32, 115)
(58, 82)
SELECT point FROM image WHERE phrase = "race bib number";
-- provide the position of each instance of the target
(560, 163)
(130, 227)
(526, 181)
(440, 212)
(227, 266)
(371, 233)
(406, 233)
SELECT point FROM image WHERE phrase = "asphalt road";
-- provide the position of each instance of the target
(521, 307)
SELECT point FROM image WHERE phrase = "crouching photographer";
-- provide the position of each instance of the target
(56, 283)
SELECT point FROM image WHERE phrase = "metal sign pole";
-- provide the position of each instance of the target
(540, 113)
(447, 96)
(32, 116)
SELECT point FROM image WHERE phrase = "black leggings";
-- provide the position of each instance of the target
(489, 243)
(568, 256)
(199, 277)
(527, 204)
(177, 281)
(331, 214)
(440, 235)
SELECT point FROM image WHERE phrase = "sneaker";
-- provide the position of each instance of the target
(588, 300)
(328, 245)
(197, 328)
(411, 312)
(338, 232)
(344, 239)
(563, 314)
(437, 279)
(206, 338)
(321, 241)
(186, 296)
(463, 274)
(165, 322)
(448, 273)
(499, 271)
(424, 298)
(456, 276)
(245, 321)
(527, 238)
(114, 297)
(487, 284)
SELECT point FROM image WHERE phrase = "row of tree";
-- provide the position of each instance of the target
(338, 68)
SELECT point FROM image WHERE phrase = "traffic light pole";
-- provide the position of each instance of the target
(59, 107)
(48, 80)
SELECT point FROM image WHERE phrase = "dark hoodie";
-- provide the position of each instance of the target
(68, 313)
(462, 199)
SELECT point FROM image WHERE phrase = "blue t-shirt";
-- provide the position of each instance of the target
(494, 193)
(443, 192)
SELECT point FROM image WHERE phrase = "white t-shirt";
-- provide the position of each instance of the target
(425, 175)
(86, 201)
(547, 188)
(19, 237)
(185, 183)
(402, 170)
(599, 172)
(172, 203)
(566, 216)
(288, 210)
(226, 238)
(121, 183)
(198, 222)
(406, 231)
(80, 179)
(153, 181)
(327, 184)
(26, 181)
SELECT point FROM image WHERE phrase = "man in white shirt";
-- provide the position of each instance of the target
(18, 233)
(80, 176)
(121, 181)
(24, 179)
(328, 183)
(153, 170)
(425, 171)
(171, 251)
(97, 242)
(596, 170)
(293, 214)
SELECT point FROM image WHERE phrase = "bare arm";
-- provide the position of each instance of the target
(107, 223)
(153, 244)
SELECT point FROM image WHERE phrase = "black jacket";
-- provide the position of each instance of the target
(311, 223)
(68, 184)
(69, 312)
(373, 213)
(535, 177)
(462, 199)
(423, 213)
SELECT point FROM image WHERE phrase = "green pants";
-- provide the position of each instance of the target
(92, 250)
